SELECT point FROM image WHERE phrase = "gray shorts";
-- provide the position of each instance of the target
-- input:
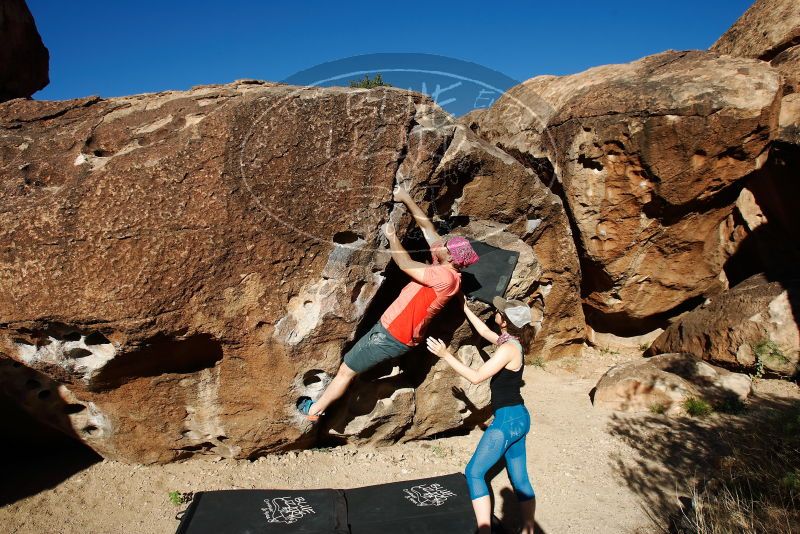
(374, 347)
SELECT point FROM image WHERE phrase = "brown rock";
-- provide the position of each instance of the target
(764, 31)
(180, 267)
(471, 178)
(788, 64)
(753, 325)
(158, 264)
(664, 382)
(24, 60)
(649, 155)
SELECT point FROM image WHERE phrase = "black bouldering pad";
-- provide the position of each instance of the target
(266, 511)
(490, 276)
(426, 506)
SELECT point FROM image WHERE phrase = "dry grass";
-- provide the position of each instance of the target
(722, 473)
(756, 488)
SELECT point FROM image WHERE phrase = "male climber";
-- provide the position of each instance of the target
(403, 324)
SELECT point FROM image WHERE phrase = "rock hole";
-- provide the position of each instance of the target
(160, 355)
(90, 430)
(44, 394)
(222, 438)
(312, 377)
(71, 409)
(205, 446)
(77, 353)
(19, 341)
(96, 338)
(357, 290)
(346, 238)
(590, 163)
(100, 153)
(33, 384)
(71, 336)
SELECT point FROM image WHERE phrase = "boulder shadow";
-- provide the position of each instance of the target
(677, 460)
(36, 458)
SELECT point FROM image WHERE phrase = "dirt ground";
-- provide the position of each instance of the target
(586, 465)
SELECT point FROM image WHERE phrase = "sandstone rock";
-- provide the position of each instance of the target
(24, 60)
(770, 31)
(172, 281)
(749, 326)
(546, 272)
(665, 382)
(788, 64)
(650, 156)
(179, 267)
(764, 31)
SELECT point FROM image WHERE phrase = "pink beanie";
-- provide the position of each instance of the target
(461, 251)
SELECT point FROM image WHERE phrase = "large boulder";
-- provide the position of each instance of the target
(664, 382)
(24, 60)
(770, 31)
(484, 194)
(178, 268)
(753, 326)
(651, 156)
(767, 28)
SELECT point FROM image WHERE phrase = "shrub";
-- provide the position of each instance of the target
(538, 361)
(764, 351)
(697, 407)
(658, 408)
(177, 498)
(369, 83)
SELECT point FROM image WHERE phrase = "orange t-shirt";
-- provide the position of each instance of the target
(408, 316)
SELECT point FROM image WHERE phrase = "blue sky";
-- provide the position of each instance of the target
(119, 47)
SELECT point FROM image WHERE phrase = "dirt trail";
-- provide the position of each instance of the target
(572, 459)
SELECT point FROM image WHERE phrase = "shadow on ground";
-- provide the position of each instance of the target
(37, 457)
(752, 459)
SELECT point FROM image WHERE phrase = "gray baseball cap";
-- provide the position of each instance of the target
(517, 311)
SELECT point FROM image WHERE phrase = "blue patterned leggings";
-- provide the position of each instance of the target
(505, 437)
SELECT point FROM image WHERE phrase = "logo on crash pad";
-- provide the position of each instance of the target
(286, 510)
(428, 494)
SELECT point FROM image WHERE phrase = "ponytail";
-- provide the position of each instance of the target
(525, 335)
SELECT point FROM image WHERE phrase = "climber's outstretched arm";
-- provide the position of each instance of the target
(414, 269)
(425, 224)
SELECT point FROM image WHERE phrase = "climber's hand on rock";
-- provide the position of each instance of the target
(437, 347)
(400, 194)
(389, 230)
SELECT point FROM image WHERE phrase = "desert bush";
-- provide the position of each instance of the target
(369, 83)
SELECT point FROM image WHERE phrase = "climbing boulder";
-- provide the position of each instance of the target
(662, 384)
(24, 60)
(752, 326)
(650, 157)
(180, 267)
(767, 28)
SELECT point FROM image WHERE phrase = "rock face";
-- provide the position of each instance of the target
(179, 267)
(770, 31)
(752, 326)
(24, 60)
(765, 30)
(664, 382)
(651, 156)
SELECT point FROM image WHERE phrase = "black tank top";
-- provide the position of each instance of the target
(505, 386)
